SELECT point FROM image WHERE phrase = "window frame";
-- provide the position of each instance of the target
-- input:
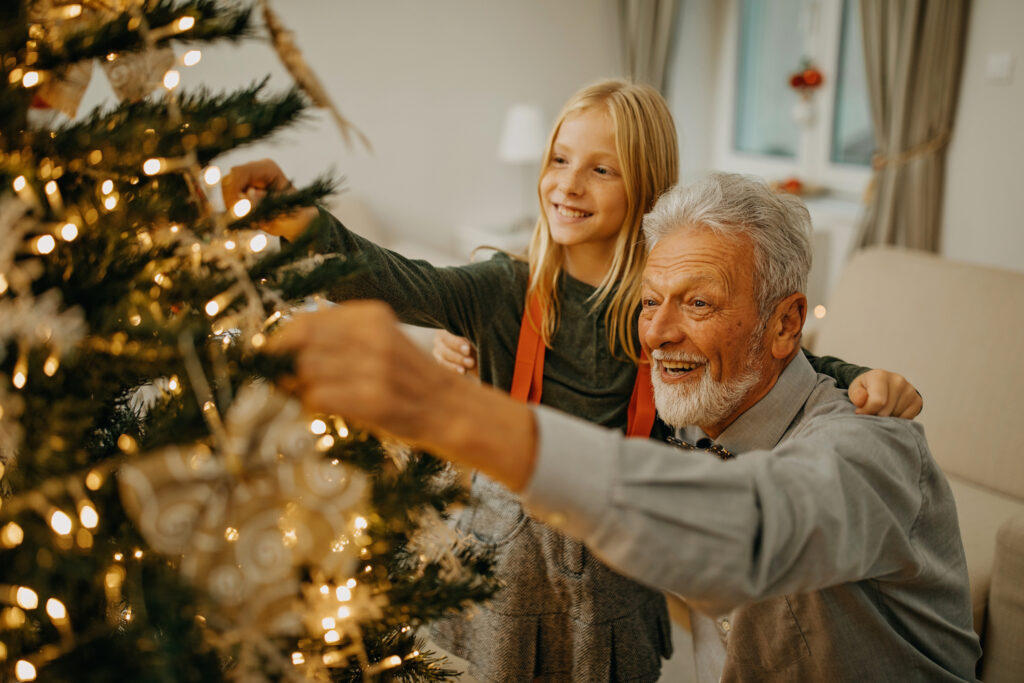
(813, 163)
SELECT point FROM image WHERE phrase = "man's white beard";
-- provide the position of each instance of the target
(708, 403)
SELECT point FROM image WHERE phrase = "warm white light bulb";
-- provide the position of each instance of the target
(12, 535)
(327, 623)
(50, 187)
(171, 79)
(318, 426)
(819, 311)
(20, 183)
(211, 176)
(55, 608)
(93, 480)
(30, 79)
(185, 23)
(45, 244)
(191, 58)
(152, 166)
(258, 243)
(332, 637)
(88, 516)
(241, 208)
(107, 187)
(51, 365)
(68, 232)
(27, 598)
(24, 670)
(60, 522)
(18, 379)
(212, 308)
(109, 202)
(343, 593)
(230, 245)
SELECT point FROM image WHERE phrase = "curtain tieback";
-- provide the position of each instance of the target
(880, 161)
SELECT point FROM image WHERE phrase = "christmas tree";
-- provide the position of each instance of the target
(167, 514)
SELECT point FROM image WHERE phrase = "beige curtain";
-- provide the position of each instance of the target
(913, 51)
(647, 27)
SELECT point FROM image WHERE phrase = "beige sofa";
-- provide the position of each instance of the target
(956, 330)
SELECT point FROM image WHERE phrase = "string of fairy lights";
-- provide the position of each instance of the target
(333, 605)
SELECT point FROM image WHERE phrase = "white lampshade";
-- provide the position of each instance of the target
(523, 135)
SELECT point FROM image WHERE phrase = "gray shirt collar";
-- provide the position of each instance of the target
(762, 425)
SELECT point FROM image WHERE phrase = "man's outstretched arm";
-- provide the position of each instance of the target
(352, 360)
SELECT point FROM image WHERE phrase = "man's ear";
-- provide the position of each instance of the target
(786, 326)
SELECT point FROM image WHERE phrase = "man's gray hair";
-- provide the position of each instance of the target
(734, 205)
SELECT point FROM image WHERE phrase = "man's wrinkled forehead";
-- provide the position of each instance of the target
(691, 246)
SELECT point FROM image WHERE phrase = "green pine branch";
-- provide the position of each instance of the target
(213, 21)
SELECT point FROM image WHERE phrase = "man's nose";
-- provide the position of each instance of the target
(661, 327)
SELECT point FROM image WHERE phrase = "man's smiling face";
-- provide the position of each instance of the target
(701, 328)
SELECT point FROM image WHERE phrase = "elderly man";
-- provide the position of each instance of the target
(813, 543)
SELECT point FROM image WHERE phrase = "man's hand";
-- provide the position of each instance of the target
(455, 353)
(251, 181)
(352, 360)
(884, 393)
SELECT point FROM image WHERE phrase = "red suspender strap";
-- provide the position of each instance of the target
(528, 375)
(641, 403)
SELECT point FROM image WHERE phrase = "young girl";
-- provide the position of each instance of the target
(562, 614)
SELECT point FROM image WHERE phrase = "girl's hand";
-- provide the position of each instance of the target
(884, 393)
(455, 353)
(251, 181)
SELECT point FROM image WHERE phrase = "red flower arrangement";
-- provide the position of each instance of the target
(806, 79)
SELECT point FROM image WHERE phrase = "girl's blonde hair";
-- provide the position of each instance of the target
(645, 141)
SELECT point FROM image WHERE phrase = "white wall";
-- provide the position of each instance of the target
(429, 83)
(984, 202)
(693, 83)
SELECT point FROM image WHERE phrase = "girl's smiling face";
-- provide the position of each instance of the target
(582, 188)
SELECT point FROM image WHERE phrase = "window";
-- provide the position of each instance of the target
(853, 139)
(774, 128)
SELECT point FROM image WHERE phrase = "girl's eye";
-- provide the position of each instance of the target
(558, 159)
(602, 170)
(648, 303)
(700, 303)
